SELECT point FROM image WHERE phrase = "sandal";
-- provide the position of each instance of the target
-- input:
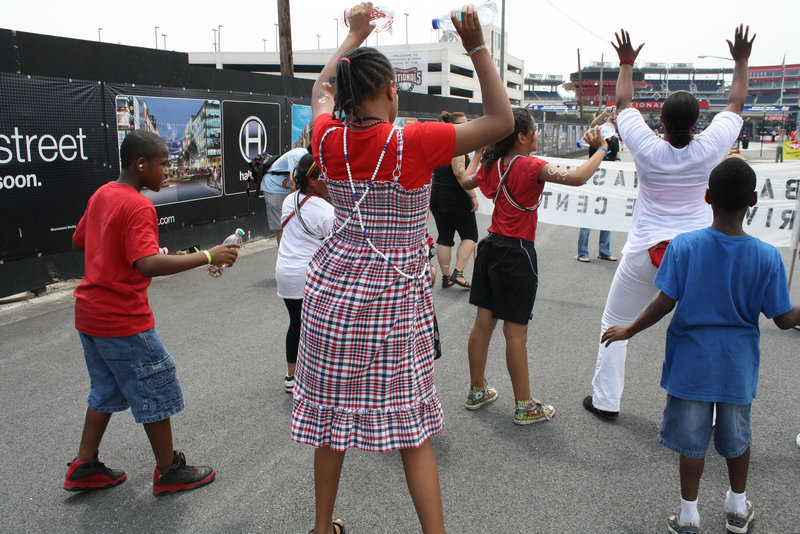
(338, 527)
(446, 281)
(459, 274)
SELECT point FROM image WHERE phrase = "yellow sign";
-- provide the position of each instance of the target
(791, 150)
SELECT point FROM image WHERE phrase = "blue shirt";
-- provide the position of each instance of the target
(286, 164)
(722, 283)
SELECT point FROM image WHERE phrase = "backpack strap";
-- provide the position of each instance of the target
(503, 187)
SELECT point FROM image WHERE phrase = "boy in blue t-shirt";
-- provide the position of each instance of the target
(721, 279)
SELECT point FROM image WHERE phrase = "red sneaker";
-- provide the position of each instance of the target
(179, 476)
(91, 474)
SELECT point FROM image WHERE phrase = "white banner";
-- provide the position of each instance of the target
(410, 70)
(606, 201)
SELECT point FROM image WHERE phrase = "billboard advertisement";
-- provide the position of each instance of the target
(249, 129)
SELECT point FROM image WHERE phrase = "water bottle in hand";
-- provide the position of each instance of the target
(381, 17)
(487, 14)
(236, 238)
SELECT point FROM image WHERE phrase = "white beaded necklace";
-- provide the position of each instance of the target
(357, 206)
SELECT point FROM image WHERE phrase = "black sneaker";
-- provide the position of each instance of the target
(602, 414)
(91, 474)
(179, 476)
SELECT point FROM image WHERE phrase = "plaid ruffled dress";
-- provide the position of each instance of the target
(364, 373)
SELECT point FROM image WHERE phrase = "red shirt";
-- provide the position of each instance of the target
(523, 182)
(118, 228)
(426, 145)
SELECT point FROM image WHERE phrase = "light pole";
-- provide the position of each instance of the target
(276, 36)
(214, 30)
(265, 44)
(219, 37)
(336, 20)
(156, 34)
(98, 34)
(406, 14)
(164, 35)
(318, 41)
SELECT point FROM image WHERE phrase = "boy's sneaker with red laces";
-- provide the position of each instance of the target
(91, 474)
(179, 476)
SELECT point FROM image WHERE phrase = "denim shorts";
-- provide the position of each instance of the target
(687, 426)
(132, 371)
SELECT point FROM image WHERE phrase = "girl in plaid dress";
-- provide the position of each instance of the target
(364, 373)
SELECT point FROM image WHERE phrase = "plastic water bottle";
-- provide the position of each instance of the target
(237, 238)
(381, 17)
(607, 131)
(487, 14)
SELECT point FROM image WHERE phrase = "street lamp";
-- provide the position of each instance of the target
(156, 34)
(318, 36)
(336, 20)
(406, 14)
(98, 34)
(276, 36)
(219, 37)
(214, 30)
(265, 44)
(164, 35)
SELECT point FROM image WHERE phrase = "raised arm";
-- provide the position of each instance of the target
(627, 56)
(600, 119)
(740, 51)
(497, 121)
(470, 180)
(325, 87)
(658, 308)
(581, 175)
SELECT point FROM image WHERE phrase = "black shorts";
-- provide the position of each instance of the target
(453, 214)
(505, 278)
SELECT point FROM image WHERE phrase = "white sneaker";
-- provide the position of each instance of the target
(798, 440)
(288, 384)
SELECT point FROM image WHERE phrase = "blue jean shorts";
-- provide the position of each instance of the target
(132, 371)
(687, 427)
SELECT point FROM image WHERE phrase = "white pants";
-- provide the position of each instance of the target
(630, 293)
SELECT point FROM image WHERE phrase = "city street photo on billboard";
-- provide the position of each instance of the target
(191, 130)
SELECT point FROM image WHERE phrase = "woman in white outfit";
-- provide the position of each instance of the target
(673, 176)
(306, 219)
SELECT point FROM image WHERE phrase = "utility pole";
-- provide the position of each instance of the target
(285, 26)
(156, 37)
(580, 85)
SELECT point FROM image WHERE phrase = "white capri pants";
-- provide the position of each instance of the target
(631, 291)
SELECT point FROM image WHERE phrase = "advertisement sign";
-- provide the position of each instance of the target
(791, 150)
(301, 125)
(52, 150)
(249, 128)
(411, 70)
(191, 130)
(607, 200)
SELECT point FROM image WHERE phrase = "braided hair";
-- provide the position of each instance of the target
(302, 174)
(360, 74)
(523, 123)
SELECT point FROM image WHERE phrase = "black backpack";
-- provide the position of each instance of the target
(258, 168)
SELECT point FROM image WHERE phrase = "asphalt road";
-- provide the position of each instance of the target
(575, 474)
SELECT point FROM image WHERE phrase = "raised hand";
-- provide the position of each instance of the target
(358, 20)
(624, 48)
(595, 140)
(740, 47)
(469, 28)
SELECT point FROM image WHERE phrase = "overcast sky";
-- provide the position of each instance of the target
(544, 33)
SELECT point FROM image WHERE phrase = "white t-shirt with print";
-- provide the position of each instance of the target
(672, 181)
(297, 246)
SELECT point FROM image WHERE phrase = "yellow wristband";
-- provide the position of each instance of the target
(208, 255)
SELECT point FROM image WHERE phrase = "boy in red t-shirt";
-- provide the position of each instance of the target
(127, 364)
